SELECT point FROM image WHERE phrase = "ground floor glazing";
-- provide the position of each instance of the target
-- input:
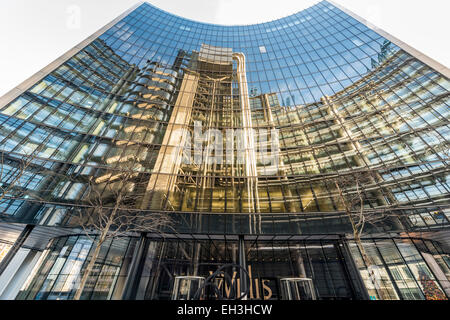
(401, 267)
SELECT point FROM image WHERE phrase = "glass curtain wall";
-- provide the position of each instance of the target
(403, 268)
(236, 130)
(342, 98)
(57, 275)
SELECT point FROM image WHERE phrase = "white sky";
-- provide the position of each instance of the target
(34, 33)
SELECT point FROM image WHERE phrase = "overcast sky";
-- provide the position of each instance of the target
(35, 32)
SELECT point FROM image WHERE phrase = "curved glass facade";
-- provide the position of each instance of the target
(402, 265)
(233, 130)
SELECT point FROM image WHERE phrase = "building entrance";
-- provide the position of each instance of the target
(266, 262)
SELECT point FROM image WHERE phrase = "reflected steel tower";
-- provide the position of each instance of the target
(265, 144)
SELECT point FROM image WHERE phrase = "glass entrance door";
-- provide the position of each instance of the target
(267, 263)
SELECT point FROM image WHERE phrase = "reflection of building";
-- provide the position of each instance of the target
(4, 248)
(129, 101)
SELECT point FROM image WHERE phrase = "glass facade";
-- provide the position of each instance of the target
(146, 95)
(402, 265)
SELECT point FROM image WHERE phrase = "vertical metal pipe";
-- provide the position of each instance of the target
(351, 270)
(243, 264)
(136, 267)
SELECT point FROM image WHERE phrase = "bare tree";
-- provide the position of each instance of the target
(11, 171)
(355, 193)
(355, 200)
(113, 213)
